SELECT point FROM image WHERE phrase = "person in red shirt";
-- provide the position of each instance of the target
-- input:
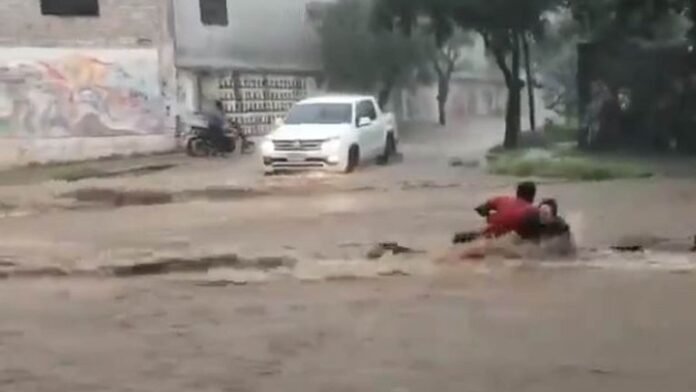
(506, 214)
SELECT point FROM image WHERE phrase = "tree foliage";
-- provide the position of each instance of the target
(557, 63)
(635, 73)
(358, 59)
(445, 58)
(650, 20)
(501, 23)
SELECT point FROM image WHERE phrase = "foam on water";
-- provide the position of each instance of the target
(500, 255)
(648, 260)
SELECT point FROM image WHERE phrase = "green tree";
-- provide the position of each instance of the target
(637, 54)
(557, 61)
(691, 6)
(501, 23)
(648, 20)
(445, 59)
(358, 59)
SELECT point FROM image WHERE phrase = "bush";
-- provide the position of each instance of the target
(521, 164)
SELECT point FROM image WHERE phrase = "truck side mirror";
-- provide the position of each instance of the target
(364, 121)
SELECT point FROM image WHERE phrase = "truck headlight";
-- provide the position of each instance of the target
(267, 146)
(332, 144)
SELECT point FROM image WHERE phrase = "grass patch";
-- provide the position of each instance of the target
(548, 165)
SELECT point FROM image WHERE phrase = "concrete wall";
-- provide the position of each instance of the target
(262, 34)
(122, 23)
(74, 88)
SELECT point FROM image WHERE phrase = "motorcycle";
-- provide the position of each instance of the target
(199, 144)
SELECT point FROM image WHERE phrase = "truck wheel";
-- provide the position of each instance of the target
(389, 150)
(353, 159)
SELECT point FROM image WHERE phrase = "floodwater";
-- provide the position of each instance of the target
(503, 330)
(307, 311)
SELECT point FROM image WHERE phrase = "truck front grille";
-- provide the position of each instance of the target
(297, 145)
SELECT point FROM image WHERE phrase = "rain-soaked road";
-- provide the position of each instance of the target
(519, 330)
(330, 320)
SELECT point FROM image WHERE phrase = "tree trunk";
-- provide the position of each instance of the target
(692, 16)
(442, 96)
(383, 96)
(530, 83)
(388, 83)
(514, 106)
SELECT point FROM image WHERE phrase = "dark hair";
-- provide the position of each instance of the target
(526, 191)
(552, 204)
(218, 104)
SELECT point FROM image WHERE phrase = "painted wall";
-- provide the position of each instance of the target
(59, 104)
(49, 93)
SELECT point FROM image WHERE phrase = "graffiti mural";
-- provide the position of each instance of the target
(50, 93)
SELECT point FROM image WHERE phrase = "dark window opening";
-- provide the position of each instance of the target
(214, 12)
(70, 7)
(366, 109)
(320, 113)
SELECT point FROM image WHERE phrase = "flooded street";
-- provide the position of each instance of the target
(230, 281)
(534, 330)
(347, 196)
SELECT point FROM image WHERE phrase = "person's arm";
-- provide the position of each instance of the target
(486, 208)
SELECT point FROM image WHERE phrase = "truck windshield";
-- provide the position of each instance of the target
(320, 113)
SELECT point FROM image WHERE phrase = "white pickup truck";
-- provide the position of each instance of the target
(331, 132)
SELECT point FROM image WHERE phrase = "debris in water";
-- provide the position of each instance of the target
(628, 248)
(408, 185)
(603, 372)
(456, 162)
(6, 263)
(381, 249)
(267, 263)
(394, 273)
(459, 162)
(465, 237)
(637, 243)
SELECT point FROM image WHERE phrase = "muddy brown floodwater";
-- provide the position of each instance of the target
(509, 330)
(291, 303)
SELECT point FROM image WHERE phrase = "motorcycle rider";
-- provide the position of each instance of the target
(216, 128)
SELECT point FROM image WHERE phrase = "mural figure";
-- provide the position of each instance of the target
(78, 95)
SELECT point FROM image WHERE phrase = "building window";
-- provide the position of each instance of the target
(214, 12)
(70, 7)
